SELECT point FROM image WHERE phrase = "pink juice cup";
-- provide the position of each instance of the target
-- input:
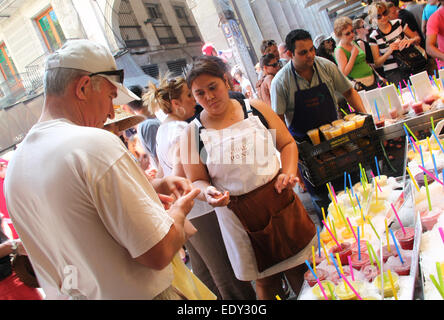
(360, 264)
(405, 240)
(393, 113)
(405, 108)
(403, 269)
(429, 219)
(417, 107)
(379, 123)
(386, 254)
(311, 280)
(370, 272)
(343, 253)
(363, 247)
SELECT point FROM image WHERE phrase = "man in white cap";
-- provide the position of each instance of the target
(91, 222)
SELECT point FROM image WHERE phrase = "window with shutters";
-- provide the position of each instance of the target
(177, 67)
(130, 29)
(163, 30)
(151, 70)
(50, 30)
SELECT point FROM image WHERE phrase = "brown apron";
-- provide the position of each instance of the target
(277, 224)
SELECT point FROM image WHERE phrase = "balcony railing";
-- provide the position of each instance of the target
(13, 90)
(165, 35)
(190, 33)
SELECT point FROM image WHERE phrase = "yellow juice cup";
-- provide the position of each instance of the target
(349, 117)
(359, 121)
(348, 126)
(337, 123)
(317, 291)
(343, 291)
(388, 291)
(335, 132)
(314, 136)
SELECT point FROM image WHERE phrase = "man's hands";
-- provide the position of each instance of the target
(216, 198)
(177, 186)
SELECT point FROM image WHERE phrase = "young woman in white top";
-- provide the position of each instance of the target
(208, 255)
(228, 151)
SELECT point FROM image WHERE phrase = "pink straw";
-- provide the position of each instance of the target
(351, 227)
(323, 221)
(431, 175)
(351, 267)
(373, 176)
(322, 288)
(397, 217)
(333, 191)
(441, 232)
(351, 287)
(414, 144)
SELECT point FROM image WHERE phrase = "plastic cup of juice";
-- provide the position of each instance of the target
(403, 269)
(379, 122)
(317, 291)
(405, 240)
(343, 291)
(418, 107)
(388, 291)
(311, 280)
(337, 123)
(429, 219)
(405, 108)
(393, 113)
(349, 116)
(335, 132)
(355, 249)
(387, 254)
(370, 272)
(343, 252)
(359, 121)
(313, 134)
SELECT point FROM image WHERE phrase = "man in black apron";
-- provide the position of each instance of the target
(303, 94)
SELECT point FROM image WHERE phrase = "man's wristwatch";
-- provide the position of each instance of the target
(14, 246)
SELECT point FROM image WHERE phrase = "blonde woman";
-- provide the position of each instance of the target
(351, 58)
(208, 255)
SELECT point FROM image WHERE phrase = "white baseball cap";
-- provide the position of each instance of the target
(94, 58)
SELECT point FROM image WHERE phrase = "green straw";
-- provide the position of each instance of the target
(369, 252)
(376, 258)
(373, 227)
(440, 290)
(334, 228)
(438, 269)
(351, 200)
(331, 291)
(344, 112)
(426, 183)
(343, 218)
(433, 125)
(410, 131)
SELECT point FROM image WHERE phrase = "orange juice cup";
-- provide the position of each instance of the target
(314, 136)
(335, 132)
(359, 121)
(348, 126)
(337, 123)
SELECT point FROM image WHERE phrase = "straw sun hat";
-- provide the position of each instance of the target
(124, 119)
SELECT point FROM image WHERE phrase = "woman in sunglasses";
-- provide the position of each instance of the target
(269, 66)
(351, 58)
(389, 36)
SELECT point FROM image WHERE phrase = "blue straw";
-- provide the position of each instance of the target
(359, 203)
(396, 245)
(351, 186)
(359, 245)
(319, 241)
(377, 111)
(422, 158)
(377, 166)
(437, 140)
(312, 271)
(336, 266)
(434, 164)
(345, 181)
(442, 175)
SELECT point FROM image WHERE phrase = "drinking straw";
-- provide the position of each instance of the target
(369, 252)
(345, 180)
(331, 291)
(351, 186)
(396, 246)
(422, 157)
(405, 82)
(437, 140)
(441, 232)
(412, 178)
(322, 289)
(353, 289)
(334, 193)
(376, 192)
(397, 217)
(351, 200)
(434, 165)
(415, 147)
(413, 95)
(377, 167)
(426, 183)
(323, 213)
(336, 266)
(430, 147)
(333, 199)
(438, 269)
(410, 131)
(351, 267)
(375, 256)
(373, 176)
(333, 226)
(440, 290)
(339, 263)
(325, 252)
(351, 227)
(433, 125)
(319, 240)
(400, 93)
(436, 82)
(390, 105)
(345, 113)
(395, 293)
(359, 246)
(328, 229)
(373, 227)
(387, 236)
(377, 110)
(431, 175)
(277, 297)
(314, 258)
(343, 218)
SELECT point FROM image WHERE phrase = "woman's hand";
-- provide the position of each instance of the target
(173, 185)
(405, 43)
(285, 181)
(216, 198)
(167, 201)
(394, 46)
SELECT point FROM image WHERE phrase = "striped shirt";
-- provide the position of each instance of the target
(383, 41)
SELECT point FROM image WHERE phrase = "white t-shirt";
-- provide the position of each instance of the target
(84, 210)
(168, 136)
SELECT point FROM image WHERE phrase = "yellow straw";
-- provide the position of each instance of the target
(325, 252)
(392, 284)
(413, 179)
(387, 235)
(339, 263)
(333, 199)
(376, 190)
(278, 298)
(314, 259)
(323, 213)
(363, 222)
(390, 105)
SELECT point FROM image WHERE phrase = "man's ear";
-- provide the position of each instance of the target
(82, 87)
(289, 53)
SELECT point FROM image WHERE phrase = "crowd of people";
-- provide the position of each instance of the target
(119, 205)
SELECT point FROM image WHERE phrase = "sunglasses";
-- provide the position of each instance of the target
(347, 34)
(118, 74)
(271, 43)
(385, 14)
(274, 65)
